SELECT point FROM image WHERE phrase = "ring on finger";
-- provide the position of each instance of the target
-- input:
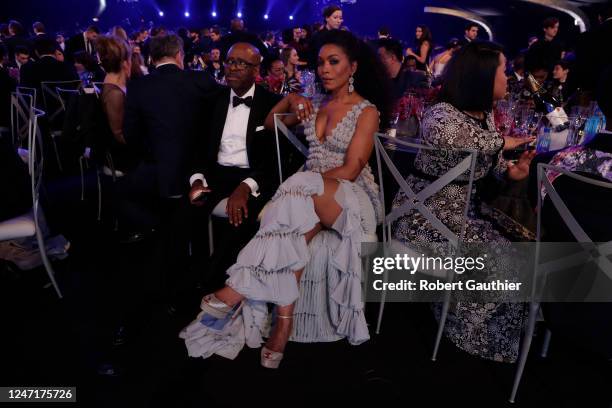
(301, 106)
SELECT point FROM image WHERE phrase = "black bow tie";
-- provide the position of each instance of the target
(248, 101)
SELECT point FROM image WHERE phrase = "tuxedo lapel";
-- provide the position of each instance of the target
(254, 118)
(220, 117)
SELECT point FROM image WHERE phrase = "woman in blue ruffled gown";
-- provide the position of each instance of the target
(336, 193)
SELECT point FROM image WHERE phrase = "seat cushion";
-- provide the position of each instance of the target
(18, 227)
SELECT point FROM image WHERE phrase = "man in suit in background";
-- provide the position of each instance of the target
(46, 68)
(18, 37)
(390, 52)
(7, 85)
(236, 158)
(163, 115)
(39, 30)
(85, 41)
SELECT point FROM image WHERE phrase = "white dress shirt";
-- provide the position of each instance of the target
(233, 146)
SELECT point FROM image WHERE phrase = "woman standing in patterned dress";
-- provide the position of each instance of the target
(336, 193)
(463, 119)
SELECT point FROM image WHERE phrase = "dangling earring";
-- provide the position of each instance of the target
(351, 84)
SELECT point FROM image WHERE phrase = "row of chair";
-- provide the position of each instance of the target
(26, 121)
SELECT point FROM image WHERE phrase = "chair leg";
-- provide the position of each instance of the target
(382, 305)
(211, 245)
(545, 344)
(443, 316)
(43, 254)
(57, 156)
(533, 315)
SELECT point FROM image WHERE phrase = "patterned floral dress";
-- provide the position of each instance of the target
(490, 330)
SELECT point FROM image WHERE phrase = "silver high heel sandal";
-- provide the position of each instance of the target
(271, 358)
(215, 313)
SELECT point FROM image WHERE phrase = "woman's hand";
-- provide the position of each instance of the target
(511, 143)
(409, 52)
(520, 170)
(301, 106)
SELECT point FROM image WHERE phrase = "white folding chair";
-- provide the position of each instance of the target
(416, 202)
(30, 224)
(22, 106)
(51, 98)
(603, 249)
(24, 90)
(55, 107)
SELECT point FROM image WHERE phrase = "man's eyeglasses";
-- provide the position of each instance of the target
(238, 64)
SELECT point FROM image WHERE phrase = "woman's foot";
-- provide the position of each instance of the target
(272, 352)
(216, 313)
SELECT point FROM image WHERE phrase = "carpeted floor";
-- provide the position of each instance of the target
(46, 341)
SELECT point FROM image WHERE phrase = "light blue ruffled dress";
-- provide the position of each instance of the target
(329, 298)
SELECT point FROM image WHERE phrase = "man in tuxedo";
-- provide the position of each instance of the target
(270, 44)
(390, 52)
(236, 159)
(84, 41)
(470, 34)
(22, 57)
(163, 115)
(46, 68)
(39, 29)
(18, 37)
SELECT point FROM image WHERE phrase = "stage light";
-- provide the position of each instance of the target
(161, 13)
(214, 14)
(95, 19)
(239, 14)
(290, 17)
(266, 16)
(187, 14)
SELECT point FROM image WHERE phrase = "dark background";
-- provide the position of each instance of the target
(513, 21)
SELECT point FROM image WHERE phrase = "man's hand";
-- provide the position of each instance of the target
(520, 170)
(237, 208)
(301, 106)
(197, 189)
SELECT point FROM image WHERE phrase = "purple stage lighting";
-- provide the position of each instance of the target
(266, 16)
(187, 14)
(239, 14)
(161, 13)
(214, 14)
(290, 17)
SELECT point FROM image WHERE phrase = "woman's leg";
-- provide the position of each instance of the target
(326, 208)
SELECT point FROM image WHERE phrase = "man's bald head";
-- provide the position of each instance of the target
(245, 51)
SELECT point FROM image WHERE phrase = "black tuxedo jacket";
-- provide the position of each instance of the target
(261, 148)
(74, 44)
(163, 117)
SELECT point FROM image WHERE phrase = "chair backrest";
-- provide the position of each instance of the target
(281, 129)
(578, 232)
(36, 154)
(65, 95)
(52, 102)
(24, 90)
(22, 109)
(416, 201)
(598, 251)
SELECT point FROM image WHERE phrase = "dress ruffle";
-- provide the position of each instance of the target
(329, 303)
